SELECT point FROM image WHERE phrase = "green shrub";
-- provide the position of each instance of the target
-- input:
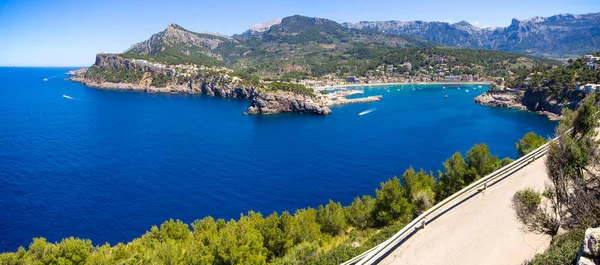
(562, 250)
(289, 87)
(528, 143)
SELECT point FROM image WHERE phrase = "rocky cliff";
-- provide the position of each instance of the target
(112, 71)
(537, 100)
(500, 99)
(269, 103)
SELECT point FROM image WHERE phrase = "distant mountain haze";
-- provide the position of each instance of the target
(564, 35)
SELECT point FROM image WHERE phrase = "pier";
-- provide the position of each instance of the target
(354, 100)
(340, 98)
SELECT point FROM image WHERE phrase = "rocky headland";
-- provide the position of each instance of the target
(271, 103)
(535, 100)
(111, 71)
(503, 99)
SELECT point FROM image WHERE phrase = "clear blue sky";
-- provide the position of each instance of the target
(71, 32)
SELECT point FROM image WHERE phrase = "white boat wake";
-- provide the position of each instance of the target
(47, 78)
(367, 111)
(68, 97)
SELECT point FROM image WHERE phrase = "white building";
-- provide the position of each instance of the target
(591, 88)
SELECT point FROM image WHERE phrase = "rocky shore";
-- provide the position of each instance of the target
(501, 99)
(539, 101)
(262, 102)
(204, 88)
(271, 103)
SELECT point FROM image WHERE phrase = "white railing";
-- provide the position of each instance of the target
(374, 254)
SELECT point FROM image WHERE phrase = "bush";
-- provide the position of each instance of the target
(159, 80)
(391, 203)
(331, 217)
(528, 143)
(562, 250)
(530, 212)
(358, 213)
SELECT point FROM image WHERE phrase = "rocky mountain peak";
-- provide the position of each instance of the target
(262, 27)
(463, 23)
(298, 23)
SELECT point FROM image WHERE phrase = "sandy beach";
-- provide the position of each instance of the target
(400, 84)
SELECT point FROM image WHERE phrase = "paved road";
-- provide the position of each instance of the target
(481, 230)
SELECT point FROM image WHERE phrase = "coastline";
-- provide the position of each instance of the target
(400, 84)
(510, 100)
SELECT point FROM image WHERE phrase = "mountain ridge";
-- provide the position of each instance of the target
(294, 44)
(550, 37)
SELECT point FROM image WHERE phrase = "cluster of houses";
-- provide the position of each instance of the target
(181, 69)
(592, 62)
(458, 78)
(148, 63)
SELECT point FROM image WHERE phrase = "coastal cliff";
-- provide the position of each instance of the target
(536, 100)
(270, 103)
(111, 71)
(503, 99)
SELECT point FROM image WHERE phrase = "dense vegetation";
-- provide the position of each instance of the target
(160, 80)
(570, 200)
(560, 82)
(309, 236)
(302, 47)
(173, 56)
(120, 75)
(290, 87)
(360, 60)
(529, 142)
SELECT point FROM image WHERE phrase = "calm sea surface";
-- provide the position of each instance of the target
(107, 165)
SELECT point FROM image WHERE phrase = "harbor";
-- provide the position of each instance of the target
(340, 97)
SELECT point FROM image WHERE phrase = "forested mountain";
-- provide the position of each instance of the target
(299, 46)
(564, 35)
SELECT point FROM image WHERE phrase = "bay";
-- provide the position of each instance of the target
(107, 165)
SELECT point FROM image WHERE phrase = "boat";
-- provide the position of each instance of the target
(45, 79)
(466, 90)
(479, 86)
(446, 96)
(444, 87)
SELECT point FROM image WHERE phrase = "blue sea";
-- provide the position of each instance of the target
(107, 165)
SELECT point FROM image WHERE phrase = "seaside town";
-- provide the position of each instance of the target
(388, 73)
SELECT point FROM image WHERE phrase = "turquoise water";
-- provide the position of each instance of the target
(107, 165)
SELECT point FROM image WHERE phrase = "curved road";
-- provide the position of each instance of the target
(481, 230)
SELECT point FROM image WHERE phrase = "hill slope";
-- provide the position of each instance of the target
(296, 44)
(178, 45)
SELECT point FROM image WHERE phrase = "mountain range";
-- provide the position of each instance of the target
(306, 44)
(295, 44)
(559, 36)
